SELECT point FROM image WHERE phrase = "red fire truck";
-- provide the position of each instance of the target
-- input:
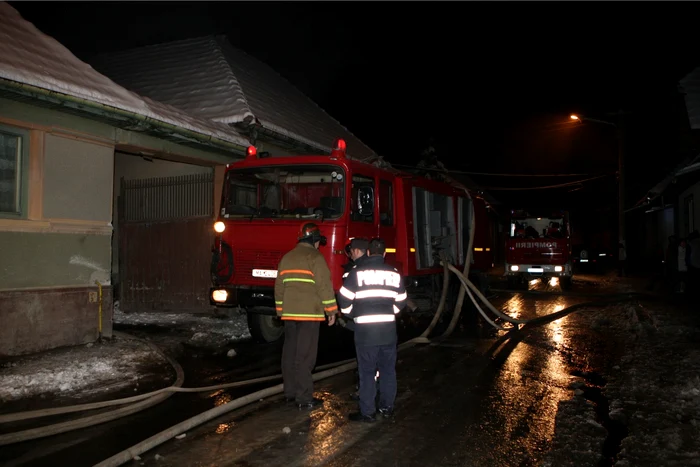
(266, 200)
(538, 246)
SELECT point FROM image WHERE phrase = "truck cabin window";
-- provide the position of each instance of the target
(314, 192)
(537, 227)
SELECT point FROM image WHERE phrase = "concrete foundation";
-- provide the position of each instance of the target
(41, 319)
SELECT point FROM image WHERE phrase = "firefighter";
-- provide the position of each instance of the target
(372, 295)
(303, 297)
(356, 250)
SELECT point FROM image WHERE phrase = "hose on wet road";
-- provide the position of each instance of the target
(143, 401)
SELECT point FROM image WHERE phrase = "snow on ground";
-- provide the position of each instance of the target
(117, 364)
(80, 370)
(651, 388)
(205, 328)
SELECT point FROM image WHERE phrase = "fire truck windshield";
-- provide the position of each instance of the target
(309, 191)
(538, 227)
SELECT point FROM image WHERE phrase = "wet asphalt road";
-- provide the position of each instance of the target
(474, 399)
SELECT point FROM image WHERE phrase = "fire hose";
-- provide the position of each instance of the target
(143, 401)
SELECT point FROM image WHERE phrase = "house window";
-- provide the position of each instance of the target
(386, 203)
(11, 162)
(689, 214)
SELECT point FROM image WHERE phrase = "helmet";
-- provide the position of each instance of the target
(310, 231)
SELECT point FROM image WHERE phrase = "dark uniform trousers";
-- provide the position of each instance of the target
(370, 359)
(299, 359)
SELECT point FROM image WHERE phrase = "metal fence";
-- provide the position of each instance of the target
(166, 198)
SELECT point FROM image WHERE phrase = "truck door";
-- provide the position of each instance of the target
(363, 212)
(387, 219)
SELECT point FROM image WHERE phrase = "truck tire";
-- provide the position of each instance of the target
(513, 282)
(265, 328)
(565, 283)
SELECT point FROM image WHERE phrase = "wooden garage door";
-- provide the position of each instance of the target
(165, 237)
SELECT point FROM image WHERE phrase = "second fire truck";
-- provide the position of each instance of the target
(538, 246)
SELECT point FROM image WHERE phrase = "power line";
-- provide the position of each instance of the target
(561, 185)
(522, 175)
(492, 174)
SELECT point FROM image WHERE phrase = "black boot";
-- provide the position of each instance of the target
(358, 417)
(310, 405)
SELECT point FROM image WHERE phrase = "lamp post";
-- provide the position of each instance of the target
(619, 128)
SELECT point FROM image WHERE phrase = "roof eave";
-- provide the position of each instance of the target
(121, 118)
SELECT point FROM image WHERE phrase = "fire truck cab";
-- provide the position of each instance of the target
(538, 246)
(265, 200)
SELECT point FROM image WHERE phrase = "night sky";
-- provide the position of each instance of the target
(490, 85)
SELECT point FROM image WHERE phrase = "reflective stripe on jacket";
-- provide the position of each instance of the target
(372, 294)
(303, 288)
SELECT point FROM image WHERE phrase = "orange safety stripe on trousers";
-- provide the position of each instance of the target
(296, 271)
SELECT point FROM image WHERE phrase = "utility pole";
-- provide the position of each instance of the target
(620, 132)
(621, 178)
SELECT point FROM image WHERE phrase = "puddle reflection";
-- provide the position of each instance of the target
(223, 428)
(327, 431)
(534, 377)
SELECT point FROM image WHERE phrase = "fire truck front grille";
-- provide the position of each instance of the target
(244, 261)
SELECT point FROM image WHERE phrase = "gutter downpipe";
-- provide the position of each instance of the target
(99, 311)
(106, 110)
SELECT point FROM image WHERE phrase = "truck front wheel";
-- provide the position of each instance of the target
(265, 328)
(514, 282)
(565, 283)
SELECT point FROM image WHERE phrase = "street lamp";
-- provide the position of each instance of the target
(620, 168)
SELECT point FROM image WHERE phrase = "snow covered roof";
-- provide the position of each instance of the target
(688, 165)
(690, 85)
(30, 57)
(210, 78)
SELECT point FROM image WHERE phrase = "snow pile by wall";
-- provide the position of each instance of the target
(231, 329)
(66, 372)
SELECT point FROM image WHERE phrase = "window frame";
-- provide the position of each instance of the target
(23, 167)
(689, 208)
(390, 185)
(248, 171)
(365, 179)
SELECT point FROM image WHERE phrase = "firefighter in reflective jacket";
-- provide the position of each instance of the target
(303, 297)
(373, 294)
(356, 250)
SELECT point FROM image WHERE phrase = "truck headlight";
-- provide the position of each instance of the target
(219, 227)
(558, 269)
(514, 267)
(219, 296)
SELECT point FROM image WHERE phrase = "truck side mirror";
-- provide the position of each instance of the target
(365, 200)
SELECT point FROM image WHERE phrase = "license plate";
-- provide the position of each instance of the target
(535, 270)
(584, 260)
(267, 273)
